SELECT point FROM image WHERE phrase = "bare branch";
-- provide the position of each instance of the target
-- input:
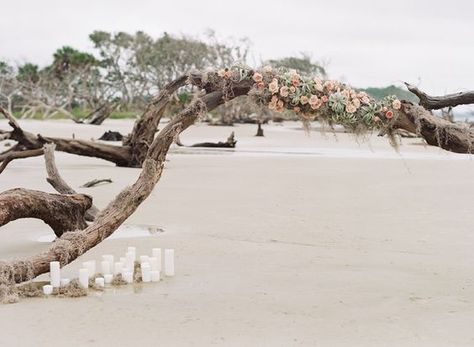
(61, 186)
(437, 102)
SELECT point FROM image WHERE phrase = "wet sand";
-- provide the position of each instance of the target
(289, 240)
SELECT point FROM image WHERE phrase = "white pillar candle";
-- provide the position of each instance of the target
(90, 265)
(156, 252)
(128, 276)
(154, 264)
(65, 282)
(130, 261)
(108, 278)
(48, 289)
(169, 262)
(109, 258)
(146, 269)
(100, 282)
(118, 268)
(144, 259)
(55, 274)
(106, 267)
(84, 277)
(155, 276)
(132, 250)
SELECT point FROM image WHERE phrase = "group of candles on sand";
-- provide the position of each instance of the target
(150, 268)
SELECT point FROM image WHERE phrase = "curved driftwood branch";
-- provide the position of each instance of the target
(8, 157)
(73, 244)
(57, 182)
(437, 102)
(61, 212)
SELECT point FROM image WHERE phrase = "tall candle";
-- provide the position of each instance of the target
(55, 274)
(154, 264)
(156, 252)
(132, 250)
(106, 267)
(84, 277)
(118, 268)
(169, 262)
(90, 265)
(146, 275)
(130, 261)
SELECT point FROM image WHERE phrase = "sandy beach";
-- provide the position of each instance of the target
(288, 240)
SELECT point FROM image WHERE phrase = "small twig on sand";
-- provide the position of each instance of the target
(96, 182)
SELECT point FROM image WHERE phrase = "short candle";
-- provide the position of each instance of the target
(48, 289)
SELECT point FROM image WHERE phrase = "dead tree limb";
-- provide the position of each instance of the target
(8, 157)
(57, 182)
(61, 212)
(437, 102)
(436, 131)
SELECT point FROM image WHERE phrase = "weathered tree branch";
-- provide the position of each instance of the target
(61, 212)
(8, 157)
(57, 182)
(436, 131)
(437, 102)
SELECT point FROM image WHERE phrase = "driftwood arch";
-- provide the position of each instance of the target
(143, 148)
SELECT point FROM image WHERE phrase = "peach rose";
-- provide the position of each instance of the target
(329, 85)
(316, 105)
(292, 89)
(297, 109)
(229, 74)
(389, 114)
(350, 108)
(273, 86)
(260, 85)
(324, 98)
(365, 100)
(267, 69)
(313, 99)
(295, 79)
(396, 104)
(280, 106)
(304, 100)
(356, 102)
(221, 73)
(377, 119)
(257, 77)
(284, 91)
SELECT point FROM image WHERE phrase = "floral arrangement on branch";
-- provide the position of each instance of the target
(314, 98)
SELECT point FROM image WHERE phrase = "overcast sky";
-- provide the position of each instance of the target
(366, 42)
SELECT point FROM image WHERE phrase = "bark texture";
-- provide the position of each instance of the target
(436, 131)
(61, 212)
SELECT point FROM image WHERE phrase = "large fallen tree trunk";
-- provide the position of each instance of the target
(133, 151)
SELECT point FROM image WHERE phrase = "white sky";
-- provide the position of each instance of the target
(367, 42)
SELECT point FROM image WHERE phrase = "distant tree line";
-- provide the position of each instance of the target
(125, 70)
